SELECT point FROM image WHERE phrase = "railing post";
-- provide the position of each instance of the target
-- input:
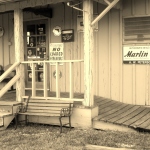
(33, 80)
(57, 81)
(45, 78)
(71, 80)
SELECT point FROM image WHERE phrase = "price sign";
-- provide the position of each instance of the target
(56, 52)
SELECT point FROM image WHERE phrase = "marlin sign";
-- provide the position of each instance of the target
(136, 54)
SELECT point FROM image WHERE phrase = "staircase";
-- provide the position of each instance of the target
(7, 112)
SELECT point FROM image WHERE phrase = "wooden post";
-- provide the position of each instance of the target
(45, 78)
(19, 52)
(33, 80)
(88, 53)
(57, 81)
(71, 81)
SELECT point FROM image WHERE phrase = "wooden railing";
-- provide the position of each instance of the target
(12, 81)
(45, 78)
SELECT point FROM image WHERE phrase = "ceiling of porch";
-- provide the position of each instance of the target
(10, 5)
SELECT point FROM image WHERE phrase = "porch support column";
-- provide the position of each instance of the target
(19, 52)
(88, 53)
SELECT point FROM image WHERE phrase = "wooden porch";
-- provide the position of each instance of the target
(113, 115)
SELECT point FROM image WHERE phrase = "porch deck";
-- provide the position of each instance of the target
(110, 111)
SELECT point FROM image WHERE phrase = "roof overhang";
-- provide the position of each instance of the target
(10, 5)
(117, 6)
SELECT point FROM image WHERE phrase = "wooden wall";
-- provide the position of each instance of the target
(6, 42)
(136, 78)
(113, 79)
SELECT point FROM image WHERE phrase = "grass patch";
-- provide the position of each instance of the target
(45, 137)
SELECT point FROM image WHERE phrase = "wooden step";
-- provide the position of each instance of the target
(97, 147)
(5, 121)
(7, 112)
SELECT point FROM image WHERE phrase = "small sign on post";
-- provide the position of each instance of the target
(136, 54)
(56, 52)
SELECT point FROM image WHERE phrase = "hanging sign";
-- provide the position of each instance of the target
(136, 54)
(67, 35)
(56, 52)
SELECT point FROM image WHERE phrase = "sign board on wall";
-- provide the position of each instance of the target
(56, 52)
(67, 35)
(136, 54)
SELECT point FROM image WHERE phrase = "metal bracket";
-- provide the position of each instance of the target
(73, 6)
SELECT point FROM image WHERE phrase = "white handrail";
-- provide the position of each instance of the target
(12, 81)
(9, 84)
(49, 61)
(56, 64)
(8, 71)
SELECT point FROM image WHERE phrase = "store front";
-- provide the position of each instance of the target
(119, 73)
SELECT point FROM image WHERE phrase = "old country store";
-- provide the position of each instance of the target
(94, 47)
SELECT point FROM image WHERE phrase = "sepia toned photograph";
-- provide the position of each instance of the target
(74, 74)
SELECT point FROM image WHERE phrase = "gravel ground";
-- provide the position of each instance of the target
(46, 137)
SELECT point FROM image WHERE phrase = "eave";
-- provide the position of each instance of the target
(117, 6)
(10, 5)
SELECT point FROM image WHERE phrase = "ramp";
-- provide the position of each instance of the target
(121, 116)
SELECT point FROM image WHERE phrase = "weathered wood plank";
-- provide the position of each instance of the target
(40, 114)
(50, 101)
(117, 113)
(109, 108)
(112, 113)
(19, 52)
(145, 124)
(141, 120)
(44, 111)
(104, 106)
(142, 112)
(48, 105)
(45, 76)
(33, 80)
(124, 114)
(88, 53)
(71, 80)
(96, 147)
(44, 107)
(103, 101)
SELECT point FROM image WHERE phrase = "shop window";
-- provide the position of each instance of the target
(36, 47)
(136, 30)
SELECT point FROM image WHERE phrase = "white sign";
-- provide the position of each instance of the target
(136, 54)
(57, 31)
(56, 52)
